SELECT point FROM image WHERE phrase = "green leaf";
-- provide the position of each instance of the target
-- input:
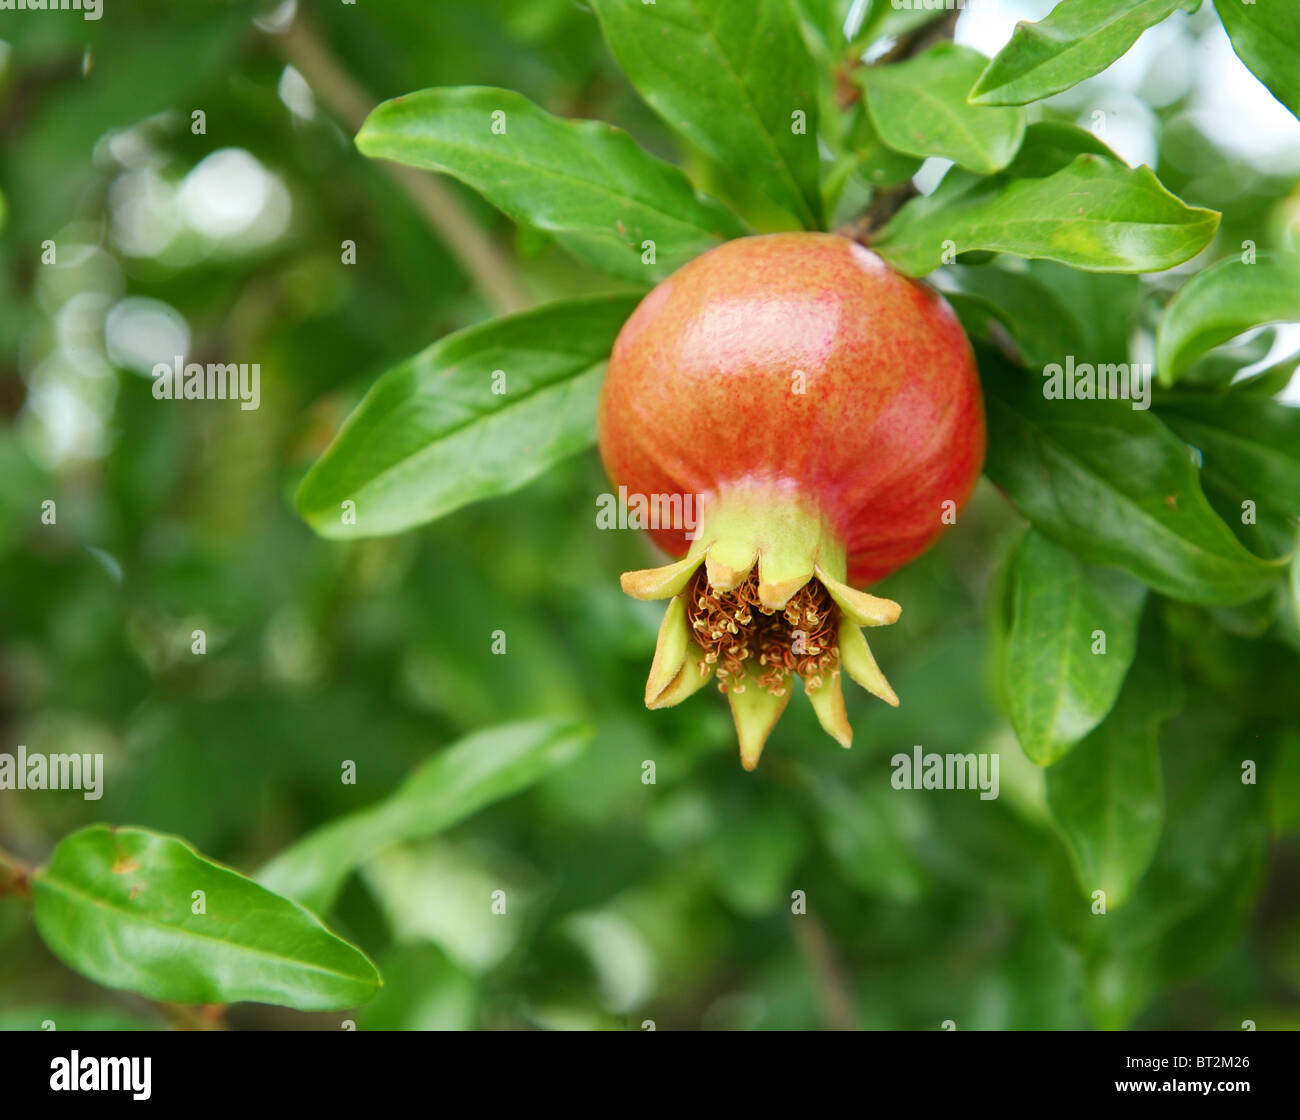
(586, 183)
(1250, 441)
(730, 78)
(1271, 379)
(1051, 146)
(1266, 36)
(1042, 325)
(1204, 880)
(1220, 303)
(1102, 305)
(435, 433)
(1216, 369)
(452, 917)
(1106, 795)
(1078, 39)
(870, 156)
(1094, 214)
(1048, 147)
(118, 906)
(883, 20)
(67, 1018)
(1116, 487)
(1057, 685)
(479, 770)
(823, 22)
(920, 108)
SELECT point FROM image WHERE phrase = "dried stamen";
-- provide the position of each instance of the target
(737, 633)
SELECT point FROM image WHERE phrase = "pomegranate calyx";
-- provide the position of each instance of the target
(759, 599)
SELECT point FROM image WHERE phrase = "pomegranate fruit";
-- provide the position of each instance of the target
(822, 413)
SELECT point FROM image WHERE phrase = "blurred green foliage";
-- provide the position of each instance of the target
(629, 902)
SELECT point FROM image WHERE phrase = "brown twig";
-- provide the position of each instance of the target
(887, 201)
(828, 980)
(192, 1017)
(15, 875)
(921, 39)
(489, 269)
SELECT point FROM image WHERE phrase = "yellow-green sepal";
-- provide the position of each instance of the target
(754, 711)
(691, 677)
(828, 702)
(661, 583)
(863, 609)
(856, 660)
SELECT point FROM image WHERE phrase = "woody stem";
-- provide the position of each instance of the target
(14, 874)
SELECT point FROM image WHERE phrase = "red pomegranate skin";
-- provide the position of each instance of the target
(699, 392)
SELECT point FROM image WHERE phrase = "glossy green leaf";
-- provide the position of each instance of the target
(586, 183)
(1270, 380)
(1102, 306)
(1093, 214)
(1106, 796)
(1051, 146)
(1115, 486)
(1220, 303)
(1070, 638)
(480, 769)
(1042, 324)
(1216, 369)
(119, 906)
(1047, 148)
(877, 163)
(1266, 36)
(920, 107)
(1262, 528)
(1078, 39)
(437, 432)
(735, 79)
(1249, 440)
